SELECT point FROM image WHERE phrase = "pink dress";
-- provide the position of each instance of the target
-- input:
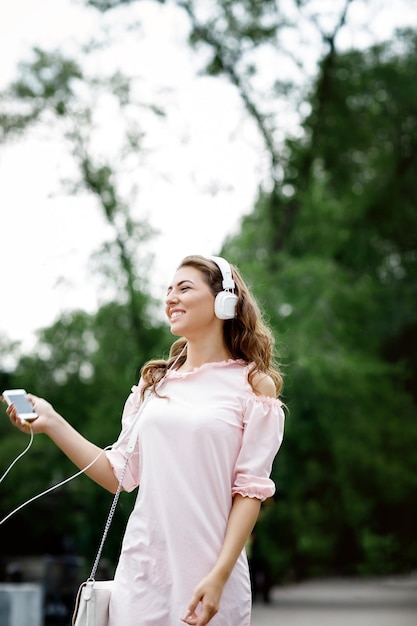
(210, 438)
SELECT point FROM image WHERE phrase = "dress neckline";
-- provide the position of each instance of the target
(205, 366)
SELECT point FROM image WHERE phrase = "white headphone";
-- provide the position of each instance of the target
(226, 300)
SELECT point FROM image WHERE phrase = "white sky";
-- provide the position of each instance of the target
(47, 236)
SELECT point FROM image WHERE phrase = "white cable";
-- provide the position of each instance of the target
(44, 493)
(130, 431)
(20, 455)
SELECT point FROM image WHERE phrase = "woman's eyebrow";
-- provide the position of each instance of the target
(186, 280)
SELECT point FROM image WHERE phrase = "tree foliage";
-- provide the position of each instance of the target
(342, 302)
(330, 251)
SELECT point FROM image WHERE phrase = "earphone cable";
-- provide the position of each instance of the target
(129, 451)
(44, 493)
(19, 456)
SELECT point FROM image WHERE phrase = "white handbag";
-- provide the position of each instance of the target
(92, 603)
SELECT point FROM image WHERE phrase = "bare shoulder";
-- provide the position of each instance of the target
(263, 385)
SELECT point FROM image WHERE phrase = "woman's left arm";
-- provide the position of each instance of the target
(242, 519)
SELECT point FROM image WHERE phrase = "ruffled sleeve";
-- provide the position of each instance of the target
(262, 438)
(117, 455)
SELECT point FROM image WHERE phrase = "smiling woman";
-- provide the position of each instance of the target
(210, 427)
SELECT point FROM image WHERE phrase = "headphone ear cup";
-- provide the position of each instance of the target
(225, 305)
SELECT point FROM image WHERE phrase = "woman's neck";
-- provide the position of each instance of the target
(197, 355)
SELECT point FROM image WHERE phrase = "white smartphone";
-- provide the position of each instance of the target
(19, 398)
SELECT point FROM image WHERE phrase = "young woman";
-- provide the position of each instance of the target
(206, 441)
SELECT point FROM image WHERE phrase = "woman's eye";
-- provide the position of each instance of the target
(185, 288)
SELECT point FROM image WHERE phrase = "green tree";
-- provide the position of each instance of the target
(331, 253)
(341, 302)
(52, 92)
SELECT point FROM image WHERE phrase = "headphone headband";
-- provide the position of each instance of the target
(228, 282)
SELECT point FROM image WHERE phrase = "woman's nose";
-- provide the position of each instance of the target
(171, 297)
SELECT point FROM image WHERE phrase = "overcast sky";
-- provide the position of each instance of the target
(48, 236)
(194, 193)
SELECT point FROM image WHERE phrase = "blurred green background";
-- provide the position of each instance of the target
(330, 251)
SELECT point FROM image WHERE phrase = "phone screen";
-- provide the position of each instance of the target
(22, 404)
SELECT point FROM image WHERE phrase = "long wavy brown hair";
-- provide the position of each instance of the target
(246, 336)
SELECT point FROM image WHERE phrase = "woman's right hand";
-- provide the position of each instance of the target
(85, 455)
(45, 411)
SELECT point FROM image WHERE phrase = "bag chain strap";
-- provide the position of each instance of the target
(116, 498)
(108, 522)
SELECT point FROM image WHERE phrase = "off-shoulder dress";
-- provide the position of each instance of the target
(210, 437)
